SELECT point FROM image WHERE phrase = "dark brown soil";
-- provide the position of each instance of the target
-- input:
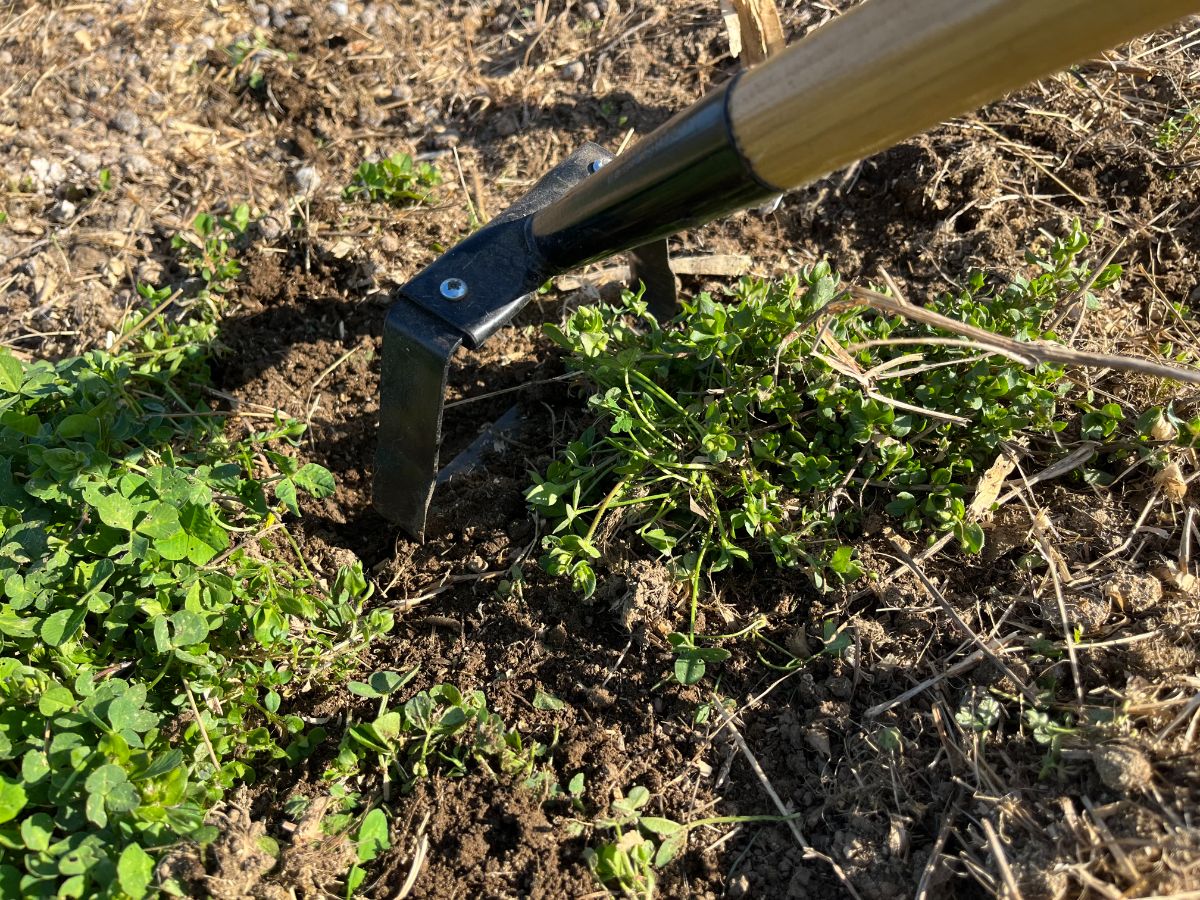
(896, 798)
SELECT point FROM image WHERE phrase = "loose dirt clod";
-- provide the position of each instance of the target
(1122, 768)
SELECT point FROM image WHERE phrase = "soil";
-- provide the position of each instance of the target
(891, 795)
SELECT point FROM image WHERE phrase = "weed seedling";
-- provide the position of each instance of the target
(640, 844)
(396, 180)
(440, 727)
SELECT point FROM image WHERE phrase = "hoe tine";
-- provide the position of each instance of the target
(462, 298)
(415, 362)
(650, 265)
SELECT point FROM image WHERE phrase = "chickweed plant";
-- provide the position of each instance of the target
(759, 426)
(151, 643)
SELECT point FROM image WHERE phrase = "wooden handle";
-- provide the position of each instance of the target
(892, 68)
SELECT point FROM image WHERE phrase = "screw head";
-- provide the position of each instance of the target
(596, 165)
(453, 289)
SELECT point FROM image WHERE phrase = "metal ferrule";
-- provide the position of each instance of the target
(687, 172)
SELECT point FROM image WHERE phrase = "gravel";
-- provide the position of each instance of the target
(125, 121)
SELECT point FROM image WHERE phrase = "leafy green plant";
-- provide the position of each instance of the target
(639, 844)
(151, 641)
(208, 249)
(440, 727)
(371, 840)
(767, 424)
(1172, 130)
(396, 180)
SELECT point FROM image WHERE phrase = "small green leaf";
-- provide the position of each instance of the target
(116, 511)
(37, 831)
(669, 849)
(547, 702)
(689, 669)
(661, 827)
(161, 523)
(12, 798)
(12, 373)
(317, 480)
(285, 491)
(135, 871)
(189, 628)
(54, 700)
(60, 627)
(373, 835)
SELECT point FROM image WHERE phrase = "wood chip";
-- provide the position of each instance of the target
(987, 491)
(755, 31)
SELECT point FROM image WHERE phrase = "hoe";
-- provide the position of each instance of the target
(865, 81)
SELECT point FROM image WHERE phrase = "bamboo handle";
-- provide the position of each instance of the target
(892, 68)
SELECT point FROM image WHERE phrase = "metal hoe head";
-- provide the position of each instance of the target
(464, 297)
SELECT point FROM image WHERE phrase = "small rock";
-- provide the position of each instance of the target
(402, 92)
(476, 564)
(150, 134)
(307, 179)
(114, 271)
(740, 885)
(150, 271)
(1122, 768)
(136, 164)
(269, 228)
(507, 123)
(592, 12)
(446, 139)
(840, 686)
(572, 71)
(1133, 593)
(1171, 482)
(340, 8)
(62, 211)
(74, 109)
(818, 740)
(5, 58)
(125, 121)
(88, 163)
(601, 698)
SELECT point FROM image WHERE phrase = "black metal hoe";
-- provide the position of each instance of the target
(867, 80)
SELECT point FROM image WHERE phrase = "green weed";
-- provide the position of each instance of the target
(440, 727)
(149, 647)
(1173, 130)
(208, 249)
(759, 426)
(396, 180)
(639, 844)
